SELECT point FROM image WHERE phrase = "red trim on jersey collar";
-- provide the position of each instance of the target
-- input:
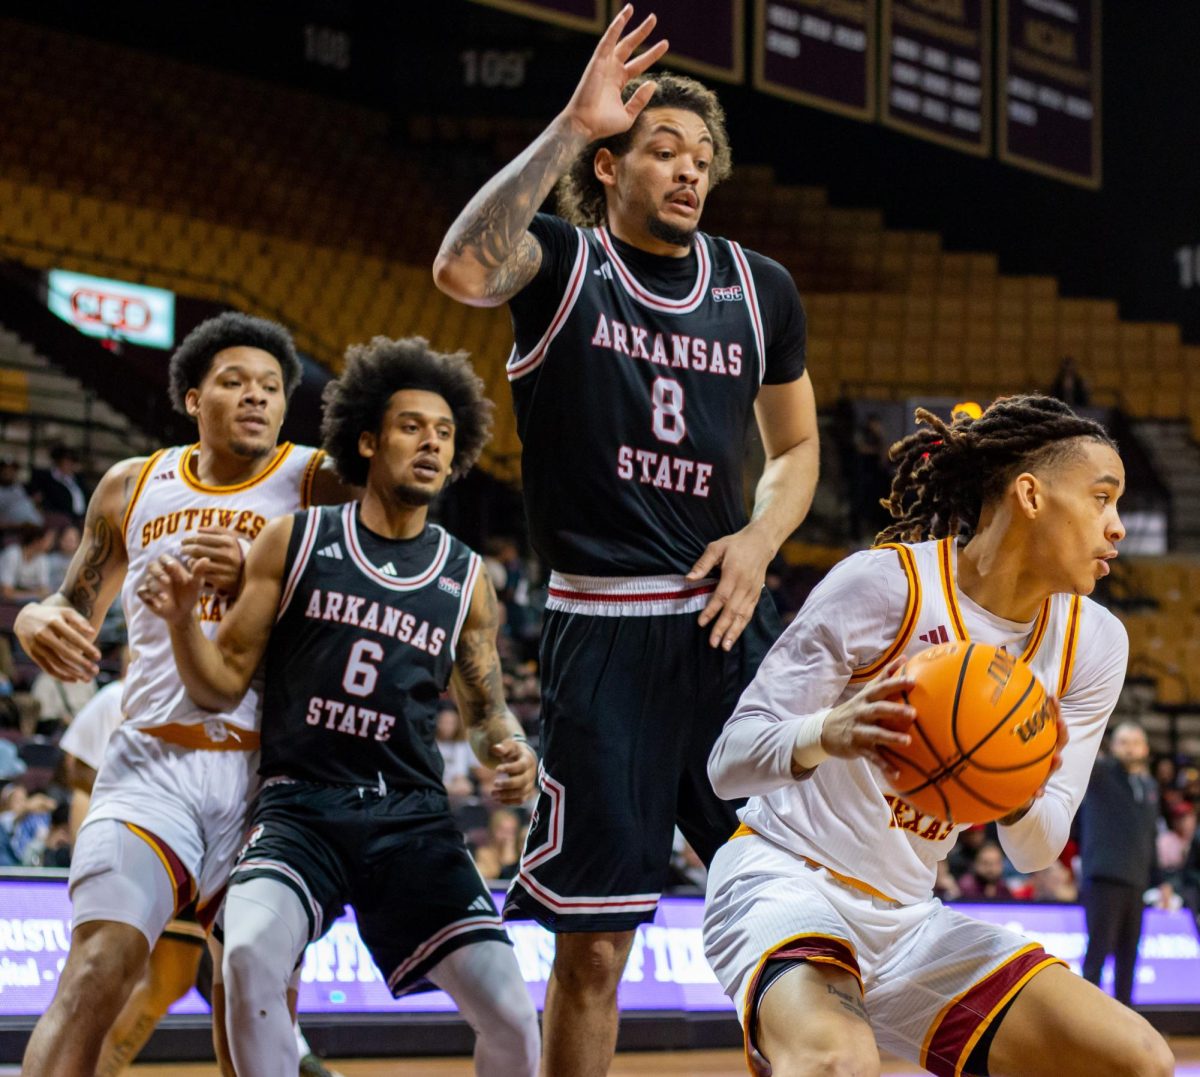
(657, 302)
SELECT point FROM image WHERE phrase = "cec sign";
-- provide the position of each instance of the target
(113, 309)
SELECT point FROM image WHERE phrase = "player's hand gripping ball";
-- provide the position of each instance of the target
(985, 735)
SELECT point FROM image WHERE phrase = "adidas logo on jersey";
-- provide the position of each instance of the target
(165, 475)
(732, 294)
(451, 587)
(333, 550)
(604, 271)
(937, 635)
(482, 904)
(388, 570)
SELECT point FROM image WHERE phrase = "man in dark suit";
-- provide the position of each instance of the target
(58, 490)
(1117, 822)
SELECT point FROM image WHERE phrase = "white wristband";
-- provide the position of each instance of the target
(806, 748)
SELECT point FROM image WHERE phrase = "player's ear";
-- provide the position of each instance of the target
(191, 402)
(605, 166)
(1029, 494)
(367, 443)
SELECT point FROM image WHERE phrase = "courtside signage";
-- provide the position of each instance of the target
(666, 970)
(113, 309)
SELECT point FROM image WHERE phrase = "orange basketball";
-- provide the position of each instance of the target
(984, 736)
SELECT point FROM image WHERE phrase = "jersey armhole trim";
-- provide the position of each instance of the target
(1038, 635)
(760, 339)
(303, 554)
(468, 595)
(310, 474)
(1070, 646)
(950, 588)
(139, 486)
(908, 623)
(518, 366)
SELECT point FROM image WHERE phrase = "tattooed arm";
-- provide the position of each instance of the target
(57, 633)
(478, 683)
(488, 255)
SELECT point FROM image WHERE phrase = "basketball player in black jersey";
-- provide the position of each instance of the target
(363, 614)
(644, 349)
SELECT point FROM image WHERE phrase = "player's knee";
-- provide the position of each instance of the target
(843, 1060)
(247, 975)
(514, 1030)
(591, 967)
(97, 978)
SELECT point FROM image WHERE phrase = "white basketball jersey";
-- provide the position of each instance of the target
(842, 816)
(167, 504)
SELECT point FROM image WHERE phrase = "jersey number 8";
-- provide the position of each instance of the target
(668, 423)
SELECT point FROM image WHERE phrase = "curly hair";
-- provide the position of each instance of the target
(580, 195)
(358, 400)
(947, 473)
(193, 358)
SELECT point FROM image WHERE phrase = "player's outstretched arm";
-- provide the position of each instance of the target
(495, 734)
(787, 421)
(57, 632)
(216, 673)
(488, 255)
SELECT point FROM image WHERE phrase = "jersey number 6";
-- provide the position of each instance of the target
(667, 397)
(361, 672)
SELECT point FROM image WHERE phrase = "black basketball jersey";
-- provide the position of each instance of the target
(634, 405)
(361, 650)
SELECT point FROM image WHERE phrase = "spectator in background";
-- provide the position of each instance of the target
(57, 489)
(1118, 823)
(458, 761)
(962, 856)
(16, 506)
(1054, 883)
(58, 702)
(985, 880)
(500, 856)
(60, 556)
(25, 566)
(945, 885)
(1175, 840)
(25, 822)
(1069, 386)
(873, 479)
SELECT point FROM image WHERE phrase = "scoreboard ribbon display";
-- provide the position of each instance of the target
(667, 970)
(1049, 77)
(936, 71)
(818, 52)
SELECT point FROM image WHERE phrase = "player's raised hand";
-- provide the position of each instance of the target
(596, 108)
(743, 558)
(872, 719)
(59, 640)
(171, 589)
(221, 548)
(516, 776)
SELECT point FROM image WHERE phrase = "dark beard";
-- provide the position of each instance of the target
(247, 451)
(669, 233)
(413, 496)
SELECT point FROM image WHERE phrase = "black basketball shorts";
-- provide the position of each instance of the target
(396, 858)
(631, 707)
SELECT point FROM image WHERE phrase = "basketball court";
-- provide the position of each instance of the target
(652, 1064)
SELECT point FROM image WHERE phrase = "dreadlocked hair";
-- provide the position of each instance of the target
(947, 472)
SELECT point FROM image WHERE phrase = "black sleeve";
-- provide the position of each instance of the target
(534, 305)
(785, 325)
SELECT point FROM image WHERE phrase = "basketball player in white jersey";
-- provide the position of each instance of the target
(820, 920)
(169, 803)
